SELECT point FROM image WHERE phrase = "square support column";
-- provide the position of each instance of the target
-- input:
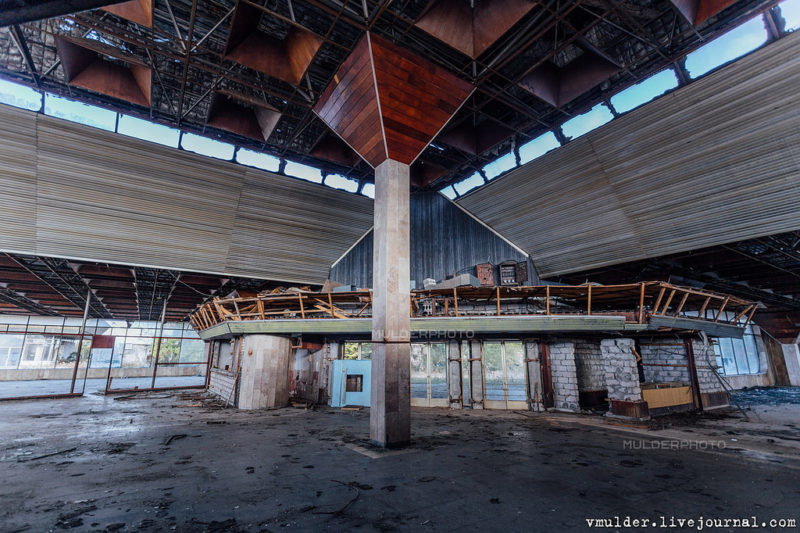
(390, 408)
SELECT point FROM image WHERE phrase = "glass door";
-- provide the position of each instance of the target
(504, 375)
(429, 375)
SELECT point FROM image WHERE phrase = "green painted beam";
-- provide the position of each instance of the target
(420, 326)
(714, 329)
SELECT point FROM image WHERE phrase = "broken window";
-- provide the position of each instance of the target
(464, 186)
(355, 383)
(790, 9)
(148, 131)
(592, 119)
(537, 147)
(340, 182)
(450, 192)
(644, 91)
(368, 190)
(255, 159)
(726, 48)
(356, 351)
(20, 96)
(304, 172)
(94, 116)
(206, 146)
(500, 165)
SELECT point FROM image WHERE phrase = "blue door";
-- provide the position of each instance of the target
(351, 382)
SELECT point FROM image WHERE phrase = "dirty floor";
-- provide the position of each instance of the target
(177, 462)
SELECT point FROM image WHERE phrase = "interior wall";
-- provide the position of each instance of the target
(444, 240)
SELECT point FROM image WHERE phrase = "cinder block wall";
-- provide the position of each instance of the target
(622, 376)
(565, 379)
(663, 354)
(591, 370)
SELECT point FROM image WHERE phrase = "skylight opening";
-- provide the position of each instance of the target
(592, 119)
(258, 160)
(337, 181)
(94, 116)
(450, 192)
(726, 48)
(644, 91)
(206, 146)
(148, 131)
(464, 186)
(368, 190)
(790, 9)
(500, 165)
(537, 147)
(304, 172)
(20, 96)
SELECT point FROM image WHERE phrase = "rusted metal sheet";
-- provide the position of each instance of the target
(707, 164)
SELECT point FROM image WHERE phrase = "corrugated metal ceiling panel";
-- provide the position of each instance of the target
(715, 162)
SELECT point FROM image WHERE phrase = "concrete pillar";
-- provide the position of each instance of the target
(264, 372)
(455, 390)
(476, 374)
(791, 354)
(533, 366)
(390, 407)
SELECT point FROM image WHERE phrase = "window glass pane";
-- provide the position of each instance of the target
(500, 165)
(464, 186)
(350, 350)
(205, 146)
(728, 359)
(493, 370)
(419, 370)
(138, 352)
(740, 355)
(751, 348)
(39, 351)
(67, 352)
(592, 119)
(20, 96)
(644, 91)
(728, 47)
(148, 131)
(10, 350)
(340, 182)
(439, 370)
(303, 172)
(537, 147)
(55, 106)
(515, 371)
(790, 9)
(169, 350)
(192, 351)
(258, 160)
(366, 350)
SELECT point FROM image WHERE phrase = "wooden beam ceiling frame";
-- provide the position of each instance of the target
(21, 302)
(85, 65)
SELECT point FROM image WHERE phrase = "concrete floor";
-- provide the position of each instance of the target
(10, 389)
(173, 462)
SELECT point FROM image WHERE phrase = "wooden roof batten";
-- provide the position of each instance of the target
(388, 103)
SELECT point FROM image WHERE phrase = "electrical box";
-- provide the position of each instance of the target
(485, 273)
(522, 272)
(508, 273)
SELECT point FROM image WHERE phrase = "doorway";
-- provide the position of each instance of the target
(505, 384)
(429, 374)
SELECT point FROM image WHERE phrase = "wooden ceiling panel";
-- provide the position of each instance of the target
(138, 11)
(242, 116)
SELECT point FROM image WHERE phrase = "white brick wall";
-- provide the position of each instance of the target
(706, 362)
(565, 379)
(622, 377)
(663, 354)
(221, 384)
